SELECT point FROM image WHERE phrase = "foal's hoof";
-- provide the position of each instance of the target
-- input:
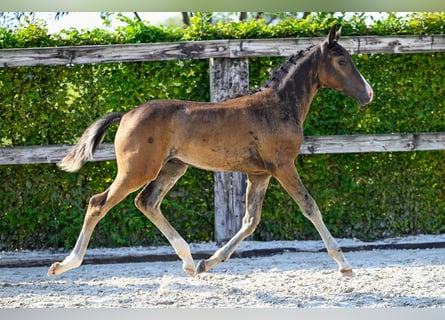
(191, 271)
(347, 272)
(201, 267)
(53, 269)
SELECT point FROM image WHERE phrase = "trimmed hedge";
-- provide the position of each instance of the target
(367, 196)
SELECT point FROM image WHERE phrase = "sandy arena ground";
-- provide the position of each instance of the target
(383, 278)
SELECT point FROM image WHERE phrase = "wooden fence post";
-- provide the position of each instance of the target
(228, 78)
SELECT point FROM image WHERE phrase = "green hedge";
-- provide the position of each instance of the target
(367, 196)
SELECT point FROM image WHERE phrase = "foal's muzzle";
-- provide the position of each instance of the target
(365, 94)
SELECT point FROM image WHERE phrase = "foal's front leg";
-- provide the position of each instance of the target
(290, 180)
(256, 188)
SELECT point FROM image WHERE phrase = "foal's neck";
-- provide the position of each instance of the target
(299, 87)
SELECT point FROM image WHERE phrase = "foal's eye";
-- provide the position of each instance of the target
(342, 62)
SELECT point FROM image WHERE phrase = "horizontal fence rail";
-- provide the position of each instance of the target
(229, 48)
(311, 145)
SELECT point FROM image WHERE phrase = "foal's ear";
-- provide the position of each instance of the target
(334, 35)
(338, 34)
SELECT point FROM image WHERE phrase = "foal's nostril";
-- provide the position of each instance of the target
(370, 93)
(365, 97)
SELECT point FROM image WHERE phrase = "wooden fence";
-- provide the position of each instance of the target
(212, 49)
(229, 76)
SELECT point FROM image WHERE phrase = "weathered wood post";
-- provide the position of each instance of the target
(228, 78)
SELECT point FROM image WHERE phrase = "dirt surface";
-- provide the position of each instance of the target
(382, 278)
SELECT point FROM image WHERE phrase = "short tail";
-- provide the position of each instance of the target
(88, 143)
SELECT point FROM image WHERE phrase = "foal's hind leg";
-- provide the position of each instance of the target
(290, 180)
(98, 206)
(149, 201)
(256, 189)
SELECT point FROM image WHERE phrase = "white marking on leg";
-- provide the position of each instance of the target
(182, 249)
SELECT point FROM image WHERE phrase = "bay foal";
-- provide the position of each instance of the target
(259, 134)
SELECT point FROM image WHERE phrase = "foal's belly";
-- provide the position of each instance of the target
(223, 158)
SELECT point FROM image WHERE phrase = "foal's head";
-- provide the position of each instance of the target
(339, 72)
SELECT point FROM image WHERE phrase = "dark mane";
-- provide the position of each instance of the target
(282, 70)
